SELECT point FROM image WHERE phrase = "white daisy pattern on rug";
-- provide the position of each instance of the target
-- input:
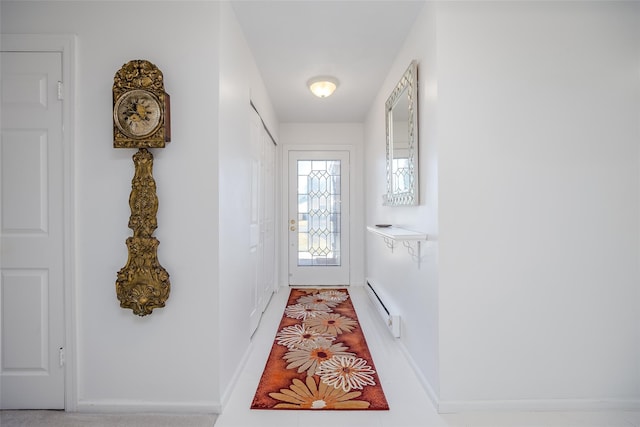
(304, 311)
(297, 336)
(330, 323)
(318, 299)
(347, 373)
(308, 357)
(334, 295)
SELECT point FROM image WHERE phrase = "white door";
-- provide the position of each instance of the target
(262, 245)
(318, 218)
(31, 215)
(268, 221)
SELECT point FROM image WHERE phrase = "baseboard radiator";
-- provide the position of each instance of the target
(384, 309)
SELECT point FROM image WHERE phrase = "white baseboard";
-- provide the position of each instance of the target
(140, 407)
(543, 405)
(234, 379)
(524, 405)
(426, 385)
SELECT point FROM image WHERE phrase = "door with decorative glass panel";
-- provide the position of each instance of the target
(318, 221)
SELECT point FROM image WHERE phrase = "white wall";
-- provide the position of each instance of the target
(535, 183)
(411, 288)
(240, 83)
(315, 135)
(539, 205)
(171, 360)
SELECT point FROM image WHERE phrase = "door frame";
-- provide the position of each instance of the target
(66, 45)
(284, 207)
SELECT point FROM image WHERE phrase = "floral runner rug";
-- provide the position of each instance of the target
(319, 359)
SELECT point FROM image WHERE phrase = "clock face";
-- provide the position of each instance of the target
(137, 113)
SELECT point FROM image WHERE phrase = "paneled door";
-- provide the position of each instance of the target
(318, 220)
(32, 244)
(263, 243)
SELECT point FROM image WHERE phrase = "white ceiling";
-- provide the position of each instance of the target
(355, 41)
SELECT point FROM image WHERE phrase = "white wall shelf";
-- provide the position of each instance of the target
(392, 235)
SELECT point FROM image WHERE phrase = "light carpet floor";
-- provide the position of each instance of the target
(67, 419)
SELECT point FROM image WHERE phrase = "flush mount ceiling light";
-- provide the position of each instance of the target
(322, 86)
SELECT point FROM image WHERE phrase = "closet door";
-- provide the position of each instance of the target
(268, 222)
(262, 218)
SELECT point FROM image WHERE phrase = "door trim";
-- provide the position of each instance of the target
(66, 45)
(284, 200)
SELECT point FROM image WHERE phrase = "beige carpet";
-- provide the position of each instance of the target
(74, 419)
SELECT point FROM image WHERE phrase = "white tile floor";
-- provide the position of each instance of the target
(409, 404)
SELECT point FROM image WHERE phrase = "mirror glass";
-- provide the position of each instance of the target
(402, 141)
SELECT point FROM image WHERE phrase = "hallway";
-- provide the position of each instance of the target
(409, 404)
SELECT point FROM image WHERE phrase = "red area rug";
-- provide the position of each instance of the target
(319, 359)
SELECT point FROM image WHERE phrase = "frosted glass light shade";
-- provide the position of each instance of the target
(322, 86)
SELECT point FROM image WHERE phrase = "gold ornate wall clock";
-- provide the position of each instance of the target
(137, 113)
(141, 107)
(141, 120)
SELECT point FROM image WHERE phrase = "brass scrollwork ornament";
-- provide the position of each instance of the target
(141, 120)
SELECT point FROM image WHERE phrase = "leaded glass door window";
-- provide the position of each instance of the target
(318, 195)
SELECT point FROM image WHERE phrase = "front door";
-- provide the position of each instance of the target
(31, 216)
(318, 218)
